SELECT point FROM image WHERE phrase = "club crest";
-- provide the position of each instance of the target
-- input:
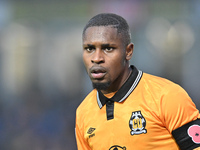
(137, 123)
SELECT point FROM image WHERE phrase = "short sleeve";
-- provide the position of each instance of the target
(177, 108)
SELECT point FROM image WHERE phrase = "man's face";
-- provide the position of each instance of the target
(104, 56)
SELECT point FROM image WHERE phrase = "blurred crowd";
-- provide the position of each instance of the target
(42, 77)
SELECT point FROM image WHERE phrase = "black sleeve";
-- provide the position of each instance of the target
(188, 135)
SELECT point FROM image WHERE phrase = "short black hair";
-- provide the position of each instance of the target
(113, 20)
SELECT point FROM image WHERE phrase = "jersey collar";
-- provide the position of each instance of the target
(124, 91)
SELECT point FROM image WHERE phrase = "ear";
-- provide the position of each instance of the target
(129, 51)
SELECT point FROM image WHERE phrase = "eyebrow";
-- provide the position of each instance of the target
(103, 45)
(89, 45)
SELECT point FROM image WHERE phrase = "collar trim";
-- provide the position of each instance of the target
(98, 100)
(133, 86)
(124, 91)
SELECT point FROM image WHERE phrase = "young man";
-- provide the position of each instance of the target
(129, 109)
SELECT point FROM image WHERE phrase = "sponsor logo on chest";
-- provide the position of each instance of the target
(91, 132)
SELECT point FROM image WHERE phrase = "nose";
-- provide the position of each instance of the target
(97, 57)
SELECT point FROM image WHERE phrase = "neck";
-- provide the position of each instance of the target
(118, 82)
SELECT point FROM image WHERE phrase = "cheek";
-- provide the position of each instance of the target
(120, 61)
(117, 66)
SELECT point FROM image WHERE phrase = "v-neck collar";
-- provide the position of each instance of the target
(124, 91)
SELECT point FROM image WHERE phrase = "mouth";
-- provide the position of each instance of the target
(97, 72)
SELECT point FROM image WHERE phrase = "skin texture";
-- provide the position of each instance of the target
(106, 58)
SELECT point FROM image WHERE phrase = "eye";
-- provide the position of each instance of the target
(89, 49)
(108, 49)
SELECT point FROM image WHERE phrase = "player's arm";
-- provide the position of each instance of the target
(181, 118)
(188, 135)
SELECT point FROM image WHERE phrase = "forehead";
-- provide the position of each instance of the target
(101, 33)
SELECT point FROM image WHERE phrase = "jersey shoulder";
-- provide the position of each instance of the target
(89, 101)
(175, 105)
(159, 84)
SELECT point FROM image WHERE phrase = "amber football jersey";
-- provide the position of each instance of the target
(140, 116)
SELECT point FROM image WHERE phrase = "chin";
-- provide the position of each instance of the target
(101, 86)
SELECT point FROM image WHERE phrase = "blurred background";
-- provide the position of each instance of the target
(42, 77)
